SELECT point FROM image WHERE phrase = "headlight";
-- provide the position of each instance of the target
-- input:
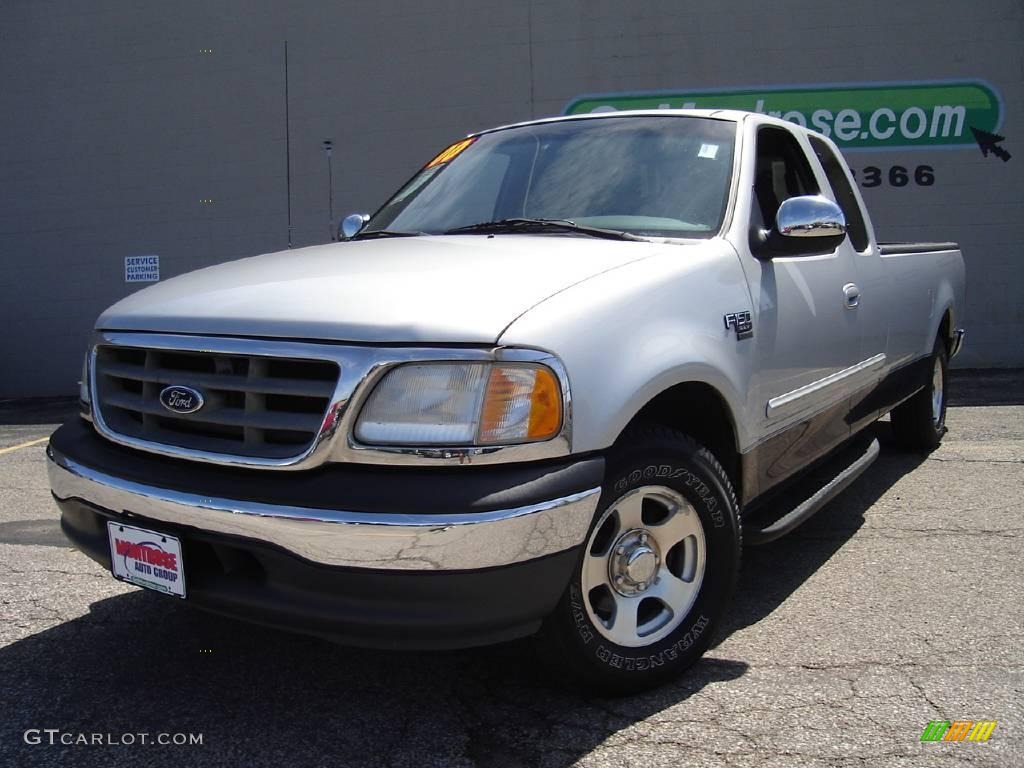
(462, 404)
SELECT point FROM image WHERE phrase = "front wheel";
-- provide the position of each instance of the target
(656, 572)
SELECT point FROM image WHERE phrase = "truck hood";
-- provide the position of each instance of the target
(436, 289)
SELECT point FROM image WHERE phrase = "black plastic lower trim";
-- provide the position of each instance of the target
(786, 453)
(897, 386)
(789, 453)
(351, 487)
(260, 583)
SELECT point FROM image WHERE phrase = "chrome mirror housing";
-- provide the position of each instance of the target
(810, 216)
(351, 225)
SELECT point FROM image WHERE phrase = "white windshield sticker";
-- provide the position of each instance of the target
(709, 151)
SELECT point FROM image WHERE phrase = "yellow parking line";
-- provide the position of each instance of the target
(23, 445)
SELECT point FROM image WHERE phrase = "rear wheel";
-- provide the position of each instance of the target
(657, 569)
(920, 422)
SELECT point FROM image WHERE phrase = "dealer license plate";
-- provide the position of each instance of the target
(146, 558)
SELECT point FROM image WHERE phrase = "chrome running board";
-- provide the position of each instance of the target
(776, 526)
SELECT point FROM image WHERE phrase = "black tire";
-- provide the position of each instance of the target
(917, 424)
(570, 640)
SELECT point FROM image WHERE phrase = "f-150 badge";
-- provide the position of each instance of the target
(741, 322)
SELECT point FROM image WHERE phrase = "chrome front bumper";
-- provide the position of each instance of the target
(427, 542)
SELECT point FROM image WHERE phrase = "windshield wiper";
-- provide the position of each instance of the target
(384, 233)
(540, 225)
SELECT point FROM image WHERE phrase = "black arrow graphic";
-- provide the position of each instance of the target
(988, 143)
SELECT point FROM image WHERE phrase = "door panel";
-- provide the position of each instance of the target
(876, 291)
(794, 448)
(808, 329)
(807, 339)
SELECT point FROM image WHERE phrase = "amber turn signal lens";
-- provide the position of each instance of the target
(545, 406)
(523, 403)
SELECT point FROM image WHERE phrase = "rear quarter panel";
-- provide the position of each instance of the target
(919, 288)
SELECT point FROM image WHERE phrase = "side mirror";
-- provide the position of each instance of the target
(351, 224)
(810, 216)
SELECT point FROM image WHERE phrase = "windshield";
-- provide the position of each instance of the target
(657, 176)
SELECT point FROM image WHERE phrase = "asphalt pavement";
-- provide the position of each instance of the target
(900, 603)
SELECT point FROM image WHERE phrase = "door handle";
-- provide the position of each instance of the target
(852, 295)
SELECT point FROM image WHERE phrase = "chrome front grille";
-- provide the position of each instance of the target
(257, 406)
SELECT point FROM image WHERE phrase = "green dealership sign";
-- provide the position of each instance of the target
(863, 116)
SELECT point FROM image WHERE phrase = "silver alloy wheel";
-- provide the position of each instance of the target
(937, 392)
(643, 566)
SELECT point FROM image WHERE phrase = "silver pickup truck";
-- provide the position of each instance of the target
(550, 388)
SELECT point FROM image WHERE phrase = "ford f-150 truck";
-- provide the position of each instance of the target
(550, 388)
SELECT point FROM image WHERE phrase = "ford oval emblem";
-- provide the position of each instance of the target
(181, 399)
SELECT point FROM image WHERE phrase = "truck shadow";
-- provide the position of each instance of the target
(142, 663)
(771, 573)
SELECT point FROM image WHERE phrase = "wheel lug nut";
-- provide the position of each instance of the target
(643, 538)
(621, 551)
(619, 579)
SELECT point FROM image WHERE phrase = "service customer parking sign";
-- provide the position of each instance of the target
(141, 269)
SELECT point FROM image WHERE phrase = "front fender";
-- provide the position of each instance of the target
(629, 334)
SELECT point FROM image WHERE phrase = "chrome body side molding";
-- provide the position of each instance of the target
(830, 388)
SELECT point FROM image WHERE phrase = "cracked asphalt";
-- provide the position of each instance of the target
(901, 602)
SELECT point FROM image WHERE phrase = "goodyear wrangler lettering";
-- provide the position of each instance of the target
(641, 663)
(665, 471)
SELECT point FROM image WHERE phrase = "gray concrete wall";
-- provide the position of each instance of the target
(116, 125)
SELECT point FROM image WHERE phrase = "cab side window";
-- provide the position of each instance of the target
(781, 172)
(845, 197)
